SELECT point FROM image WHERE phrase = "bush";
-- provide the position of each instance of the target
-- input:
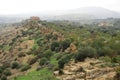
(6, 64)
(21, 54)
(32, 60)
(54, 45)
(65, 44)
(85, 52)
(65, 59)
(1, 46)
(106, 51)
(80, 56)
(25, 67)
(98, 43)
(117, 76)
(106, 59)
(1, 70)
(48, 54)
(114, 60)
(39, 42)
(49, 36)
(43, 61)
(15, 65)
(40, 55)
(7, 72)
(3, 77)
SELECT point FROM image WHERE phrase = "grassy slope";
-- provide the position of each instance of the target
(43, 74)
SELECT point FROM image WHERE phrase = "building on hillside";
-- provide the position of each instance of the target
(34, 18)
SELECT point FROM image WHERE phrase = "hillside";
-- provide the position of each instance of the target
(41, 50)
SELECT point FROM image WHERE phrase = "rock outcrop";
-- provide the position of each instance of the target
(86, 71)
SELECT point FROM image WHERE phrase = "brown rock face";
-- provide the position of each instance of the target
(86, 71)
(72, 48)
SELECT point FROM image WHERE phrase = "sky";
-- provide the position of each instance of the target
(25, 6)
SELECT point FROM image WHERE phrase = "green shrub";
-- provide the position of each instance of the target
(106, 51)
(80, 56)
(32, 60)
(48, 54)
(98, 43)
(117, 76)
(21, 54)
(55, 37)
(15, 65)
(39, 41)
(59, 56)
(114, 60)
(3, 77)
(54, 45)
(85, 52)
(65, 44)
(1, 46)
(49, 36)
(7, 72)
(40, 55)
(25, 67)
(1, 70)
(43, 61)
(6, 64)
(106, 59)
(65, 59)
(19, 49)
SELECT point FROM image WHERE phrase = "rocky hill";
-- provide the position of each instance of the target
(40, 50)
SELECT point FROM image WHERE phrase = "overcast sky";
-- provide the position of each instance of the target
(26, 6)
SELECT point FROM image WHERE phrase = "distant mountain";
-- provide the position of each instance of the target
(84, 13)
(12, 19)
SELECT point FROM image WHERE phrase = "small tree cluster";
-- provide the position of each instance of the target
(63, 45)
(85, 52)
(15, 65)
(65, 59)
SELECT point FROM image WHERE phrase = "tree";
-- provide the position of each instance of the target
(15, 65)
(65, 44)
(65, 59)
(54, 45)
(85, 52)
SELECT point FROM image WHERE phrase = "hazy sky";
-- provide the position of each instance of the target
(25, 6)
